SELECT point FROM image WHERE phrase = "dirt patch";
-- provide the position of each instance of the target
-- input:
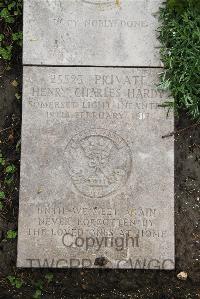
(102, 283)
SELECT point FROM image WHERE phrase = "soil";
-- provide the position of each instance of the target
(103, 283)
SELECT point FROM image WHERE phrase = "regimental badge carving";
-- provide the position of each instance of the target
(99, 162)
(106, 2)
(102, 3)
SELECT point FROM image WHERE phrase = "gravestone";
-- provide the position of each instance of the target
(97, 178)
(95, 168)
(91, 32)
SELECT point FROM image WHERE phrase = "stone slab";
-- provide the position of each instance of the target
(97, 178)
(91, 32)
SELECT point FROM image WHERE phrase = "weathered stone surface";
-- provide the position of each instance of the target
(91, 32)
(96, 174)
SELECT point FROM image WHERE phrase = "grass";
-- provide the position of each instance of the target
(10, 30)
(180, 54)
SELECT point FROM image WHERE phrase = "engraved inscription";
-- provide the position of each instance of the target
(99, 162)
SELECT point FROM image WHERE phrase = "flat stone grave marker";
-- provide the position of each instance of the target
(97, 178)
(91, 32)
